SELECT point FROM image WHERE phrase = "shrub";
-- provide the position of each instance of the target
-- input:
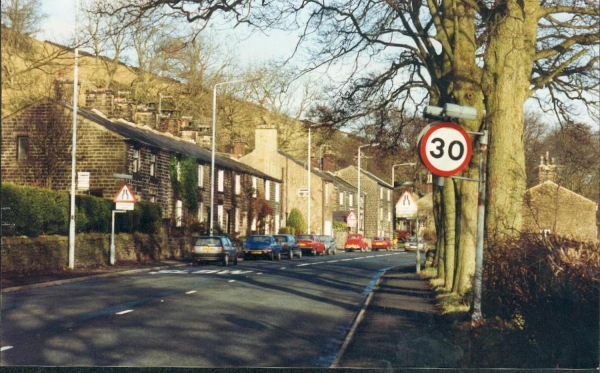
(297, 221)
(548, 286)
(96, 212)
(146, 217)
(287, 230)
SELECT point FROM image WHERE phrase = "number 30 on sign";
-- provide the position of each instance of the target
(445, 148)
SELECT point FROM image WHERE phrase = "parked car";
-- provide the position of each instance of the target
(329, 243)
(213, 248)
(411, 244)
(402, 236)
(381, 243)
(262, 246)
(289, 245)
(310, 243)
(354, 241)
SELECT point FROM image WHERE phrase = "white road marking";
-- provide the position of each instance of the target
(259, 273)
(231, 281)
(358, 258)
(5, 348)
(345, 260)
(370, 256)
(223, 272)
(152, 273)
(302, 265)
(124, 312)
(207, 271)
(191, 292)
(333, 261)
(282, 268)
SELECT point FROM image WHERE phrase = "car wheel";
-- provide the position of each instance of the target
(225, 260)
(300, 255)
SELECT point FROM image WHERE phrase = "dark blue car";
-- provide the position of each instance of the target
(262, 246)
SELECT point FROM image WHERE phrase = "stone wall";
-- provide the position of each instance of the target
(50, 253)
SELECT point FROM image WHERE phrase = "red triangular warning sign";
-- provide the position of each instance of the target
(125, 194)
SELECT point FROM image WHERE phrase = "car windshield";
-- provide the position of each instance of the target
(305, 237)
(354, 237)
(281, 238)
(378, 239)
(265, 239)
(208, 241)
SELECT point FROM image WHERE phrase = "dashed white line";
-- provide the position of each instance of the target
(333, 261)
(259, 273)
(124, 312)
(190, 292)
(282, 268)
(6, 348)
(302, 265)
(345, 260)
(231, 281)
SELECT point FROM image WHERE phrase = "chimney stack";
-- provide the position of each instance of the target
(314, 161)
(329, 161)
(239, 149)
(547, 169)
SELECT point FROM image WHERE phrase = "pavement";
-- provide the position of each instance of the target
(398, 326)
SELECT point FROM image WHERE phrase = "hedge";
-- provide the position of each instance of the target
(31, 211)
(548, 287)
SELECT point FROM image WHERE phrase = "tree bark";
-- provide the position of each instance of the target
(509, 59)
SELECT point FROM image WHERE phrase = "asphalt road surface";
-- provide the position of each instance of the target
(288, 313)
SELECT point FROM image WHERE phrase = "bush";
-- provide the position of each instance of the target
(548, 286)
(297, 221)
(35, 211)
(287, 230)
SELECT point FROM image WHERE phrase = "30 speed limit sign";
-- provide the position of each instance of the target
(445, 148)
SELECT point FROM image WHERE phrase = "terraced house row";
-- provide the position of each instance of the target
(254, 194)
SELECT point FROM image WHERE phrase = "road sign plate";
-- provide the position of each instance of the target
(125, 194)
(351, 219)
(406, 207)
(445, 148)
(124, 206)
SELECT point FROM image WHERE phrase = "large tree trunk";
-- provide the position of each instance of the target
(467, 92)
(438, 261)
(508, 61)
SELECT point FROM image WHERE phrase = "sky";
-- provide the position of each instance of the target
(250, 48)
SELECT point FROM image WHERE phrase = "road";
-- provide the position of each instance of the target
(257, 314)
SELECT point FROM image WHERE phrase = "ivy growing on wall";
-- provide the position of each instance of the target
(185, 187)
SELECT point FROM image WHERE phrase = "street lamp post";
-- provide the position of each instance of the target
(309, 166)
(359, 196)
(74, 146)
(212, 156)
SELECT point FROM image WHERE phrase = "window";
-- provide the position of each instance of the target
(327, 194)
(153, 199)
(220, 180)
(237, 220)
(201, 212)
(178, 213)
(381, 213)
(238, 185)
(276, 222)
(220, 216)
(277, 197)
(22, 147)
(341, 198)
(254, 189)
(351, 200)
(389, 215)
(267, 227)
(253, 225)
(178, 170)
(380, 193)
(200, 175)
(267, 190)
(389, 195)
(136, 161)
(152, 164)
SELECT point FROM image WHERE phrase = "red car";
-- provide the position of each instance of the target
(310, 243)
(355, 241)
(381, 243)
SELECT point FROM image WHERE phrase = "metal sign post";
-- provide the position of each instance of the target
(112, 237)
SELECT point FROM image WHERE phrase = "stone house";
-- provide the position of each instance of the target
(326, 189)
(106, 147)
(377, 218)
(551, 208)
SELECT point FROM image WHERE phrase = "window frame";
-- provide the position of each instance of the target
(22, 149)
(152, 162)
(220, 181)
(136, 155)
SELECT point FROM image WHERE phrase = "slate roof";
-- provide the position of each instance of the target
(148, 137)
(322, 174)
(375, 178)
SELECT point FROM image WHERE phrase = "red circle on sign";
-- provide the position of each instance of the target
(423, 154)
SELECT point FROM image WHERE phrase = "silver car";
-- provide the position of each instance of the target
(329, 244)
(214, 248)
